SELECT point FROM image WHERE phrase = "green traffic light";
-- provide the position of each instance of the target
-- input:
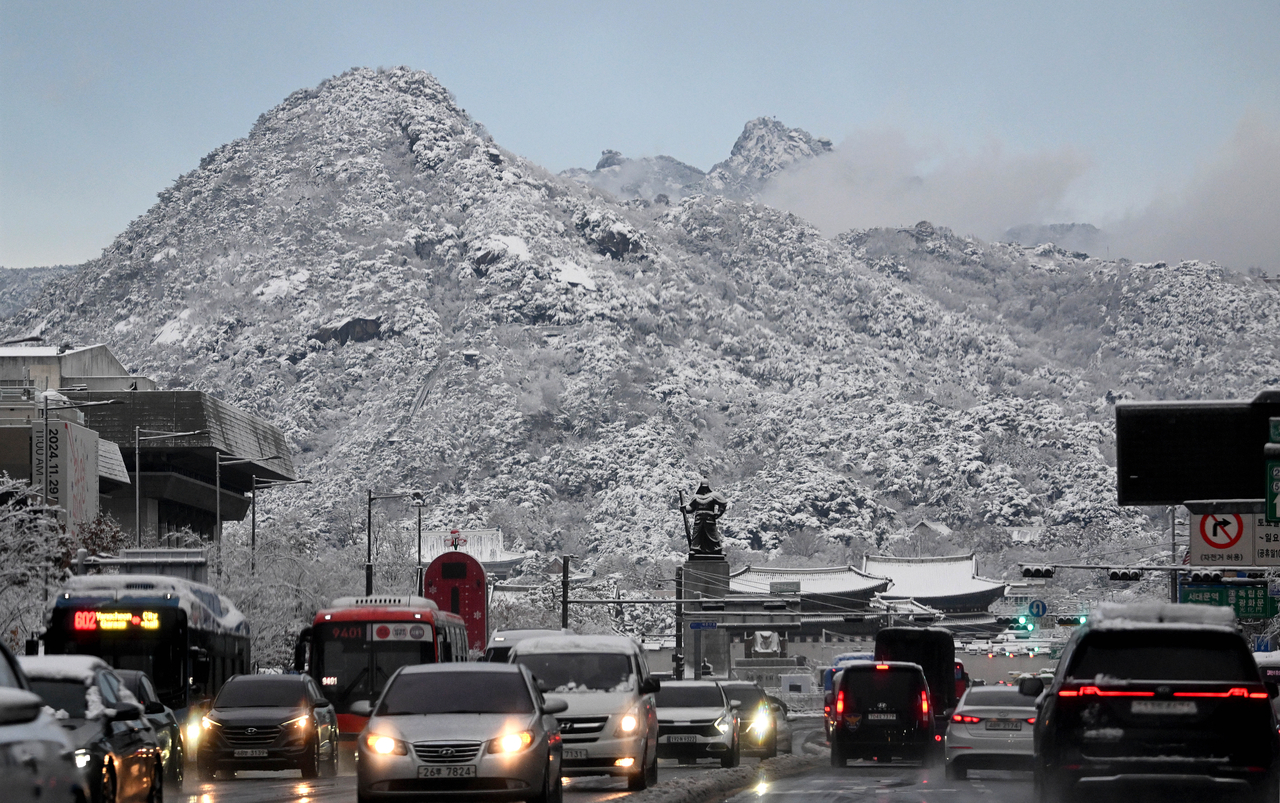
(1022, 620)
(1031, 627)
(1082, 619)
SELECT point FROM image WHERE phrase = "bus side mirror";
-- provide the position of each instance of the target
(362, 708)
(300, 651)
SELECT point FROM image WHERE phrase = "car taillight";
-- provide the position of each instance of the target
(924, 703)
(1031, 720)
(840, 703)
(965, 719)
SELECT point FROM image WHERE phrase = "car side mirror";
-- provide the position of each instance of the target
(321, 703)
(18, 705)
(124, 712)
(735, 704)
(650, 686)
(1030, 687)
(154, 707)
(362, 708)
(554, 705)
(1273, 690)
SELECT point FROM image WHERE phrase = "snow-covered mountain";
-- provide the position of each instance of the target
(541, 356)
(645, 178)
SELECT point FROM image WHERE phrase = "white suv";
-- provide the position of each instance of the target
(611, 725)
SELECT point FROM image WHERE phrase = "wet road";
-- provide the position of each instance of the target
(878, 783)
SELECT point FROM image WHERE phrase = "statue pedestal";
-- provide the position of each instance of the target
(705, 577)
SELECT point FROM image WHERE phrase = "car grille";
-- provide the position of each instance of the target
(446, 752)
(581, 729)
(251, 735)
(707, 728)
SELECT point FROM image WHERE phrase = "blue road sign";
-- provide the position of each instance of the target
(702, 625)
(1038, 608)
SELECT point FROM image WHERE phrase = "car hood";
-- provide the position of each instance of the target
(596, 703)
(449, 727)
(266, 715)
(688, 714)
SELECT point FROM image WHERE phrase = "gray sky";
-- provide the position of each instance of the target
(1139, 117)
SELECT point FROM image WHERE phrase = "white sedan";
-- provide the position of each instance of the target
(991, 728)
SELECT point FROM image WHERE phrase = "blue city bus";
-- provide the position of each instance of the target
(186, 636)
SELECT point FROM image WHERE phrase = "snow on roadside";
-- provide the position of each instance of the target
(722, 783)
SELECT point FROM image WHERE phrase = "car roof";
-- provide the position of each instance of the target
(622, 645)
(687, 683)
(468, 666)
(62, 667)
(267, 678)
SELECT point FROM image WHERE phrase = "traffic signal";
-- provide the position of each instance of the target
(1205, 576)
(1004, 620)
(1125, 574)
(1037, 570)
(1071, 621)
(1022, 622)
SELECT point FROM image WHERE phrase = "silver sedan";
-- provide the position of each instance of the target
(464, 731)
(991, 728)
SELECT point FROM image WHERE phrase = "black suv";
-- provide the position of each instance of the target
(882, 710)
(269, 722)
(1156, 693)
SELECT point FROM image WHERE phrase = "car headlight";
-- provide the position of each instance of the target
(724, 724)
(207, 723)
(82, 758)
(193, 734)
(300, 722)
(511, 742)
(386, 745)
(761, 722)
(629, 723)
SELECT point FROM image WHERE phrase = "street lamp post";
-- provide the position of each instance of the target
(152, 435)
(368, 534)
(419, 503)
(217, 485)
(253, 522)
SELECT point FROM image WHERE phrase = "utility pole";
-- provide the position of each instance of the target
(678, 669)
(564, 591)
(1173, 555)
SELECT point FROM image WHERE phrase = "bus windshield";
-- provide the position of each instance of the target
(351, 667)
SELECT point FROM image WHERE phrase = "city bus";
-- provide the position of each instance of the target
(186, 636)
(354, 646)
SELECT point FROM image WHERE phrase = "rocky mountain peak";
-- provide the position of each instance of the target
(765, 146)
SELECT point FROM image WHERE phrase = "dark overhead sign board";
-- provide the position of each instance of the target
(1170, 452)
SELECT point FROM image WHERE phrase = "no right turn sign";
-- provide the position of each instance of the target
(1221, 539)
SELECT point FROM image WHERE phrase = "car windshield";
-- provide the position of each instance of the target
(568, 672)
(707, 696)
(250, 693)
(62, 695)
(749, 696)
(456, 693)
(1163, 655)
(998, 697)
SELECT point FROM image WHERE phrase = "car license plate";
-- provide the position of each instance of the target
(1004, 725)
(575, 753)
(449, 771)
(881, 716)
(251, 754)
(680, 738)
(1175, 707)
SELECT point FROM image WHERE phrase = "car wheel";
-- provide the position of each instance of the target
(310, 765)
(174, 773)
(107, 784)
(156, 793)
(330, 767)
(772, 750)
(552, 790)
(651, 776)
(955, 772)
(731, 758)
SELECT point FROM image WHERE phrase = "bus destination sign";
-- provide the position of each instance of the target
(115, 620)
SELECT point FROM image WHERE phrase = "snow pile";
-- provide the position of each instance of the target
(62, 667)
(1137, 614)
(718, 784)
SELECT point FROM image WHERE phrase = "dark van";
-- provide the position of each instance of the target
(934, 649)
(883, 710)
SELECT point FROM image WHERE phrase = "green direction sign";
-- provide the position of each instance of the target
(1273, 492)
(1249, 602)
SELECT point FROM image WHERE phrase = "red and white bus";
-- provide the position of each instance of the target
(356, 644)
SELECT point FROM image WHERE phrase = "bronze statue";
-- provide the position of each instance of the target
(706, 507)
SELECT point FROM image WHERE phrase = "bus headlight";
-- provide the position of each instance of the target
(386, 745)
